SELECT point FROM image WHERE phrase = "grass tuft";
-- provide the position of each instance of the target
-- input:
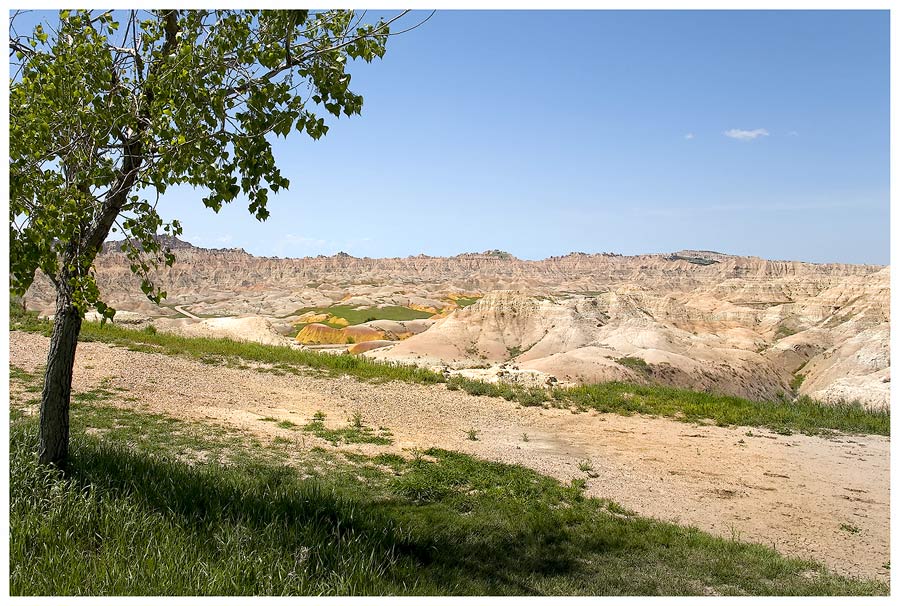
(355, 433)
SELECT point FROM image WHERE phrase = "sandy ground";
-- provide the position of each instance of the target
(791, 492)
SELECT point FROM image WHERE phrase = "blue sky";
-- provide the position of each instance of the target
(542, 133)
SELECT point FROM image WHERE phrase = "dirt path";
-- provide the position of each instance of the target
(826, 499)
(185, 312)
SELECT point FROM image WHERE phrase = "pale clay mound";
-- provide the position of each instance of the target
(580, 339)
(736, 325)
(250, 329)
(797, 493)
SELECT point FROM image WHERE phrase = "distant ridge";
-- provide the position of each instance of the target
(694, 256)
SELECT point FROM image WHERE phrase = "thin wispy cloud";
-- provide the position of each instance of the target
(689, 136)
(746, 135)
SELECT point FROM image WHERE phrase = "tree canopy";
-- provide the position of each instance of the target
(108, 109)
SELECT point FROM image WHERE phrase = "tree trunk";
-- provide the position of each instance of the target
(54, 433)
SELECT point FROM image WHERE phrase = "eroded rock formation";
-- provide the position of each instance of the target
(739, 325)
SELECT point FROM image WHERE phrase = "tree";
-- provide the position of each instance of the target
(108, 110)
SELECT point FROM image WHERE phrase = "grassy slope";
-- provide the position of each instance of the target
(131, 516)
(804, 415)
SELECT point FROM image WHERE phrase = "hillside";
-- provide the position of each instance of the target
(745, 326)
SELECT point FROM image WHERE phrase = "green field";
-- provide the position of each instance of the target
(149, 504)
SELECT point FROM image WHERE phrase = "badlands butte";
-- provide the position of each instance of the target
(743, 326)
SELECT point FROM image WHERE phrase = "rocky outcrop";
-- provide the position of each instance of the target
(690, 340)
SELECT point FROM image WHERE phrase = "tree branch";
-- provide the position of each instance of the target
(133, 155)
(294, 62)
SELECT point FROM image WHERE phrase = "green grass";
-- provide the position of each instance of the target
(153, 505)
(358, 316)
(355, 433)
(803, 415)
(32, 381)
(513, 352)
(638, 365)
(466, 301)
(221, 351)
(527, 396)
(784, 331)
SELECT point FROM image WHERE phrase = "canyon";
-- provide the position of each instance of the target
(745, 326)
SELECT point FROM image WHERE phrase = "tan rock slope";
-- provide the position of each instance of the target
(740, 325)
(682, 340)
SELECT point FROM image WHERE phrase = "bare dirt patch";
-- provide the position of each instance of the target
(796, 493)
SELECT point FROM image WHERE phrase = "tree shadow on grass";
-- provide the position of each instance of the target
(125, 522)
(264, 520)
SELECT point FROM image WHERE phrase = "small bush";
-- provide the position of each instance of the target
(356, 420)
(636, 364)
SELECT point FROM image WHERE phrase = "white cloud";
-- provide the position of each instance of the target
(689, 136)
(746, 135)
(793, 133)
